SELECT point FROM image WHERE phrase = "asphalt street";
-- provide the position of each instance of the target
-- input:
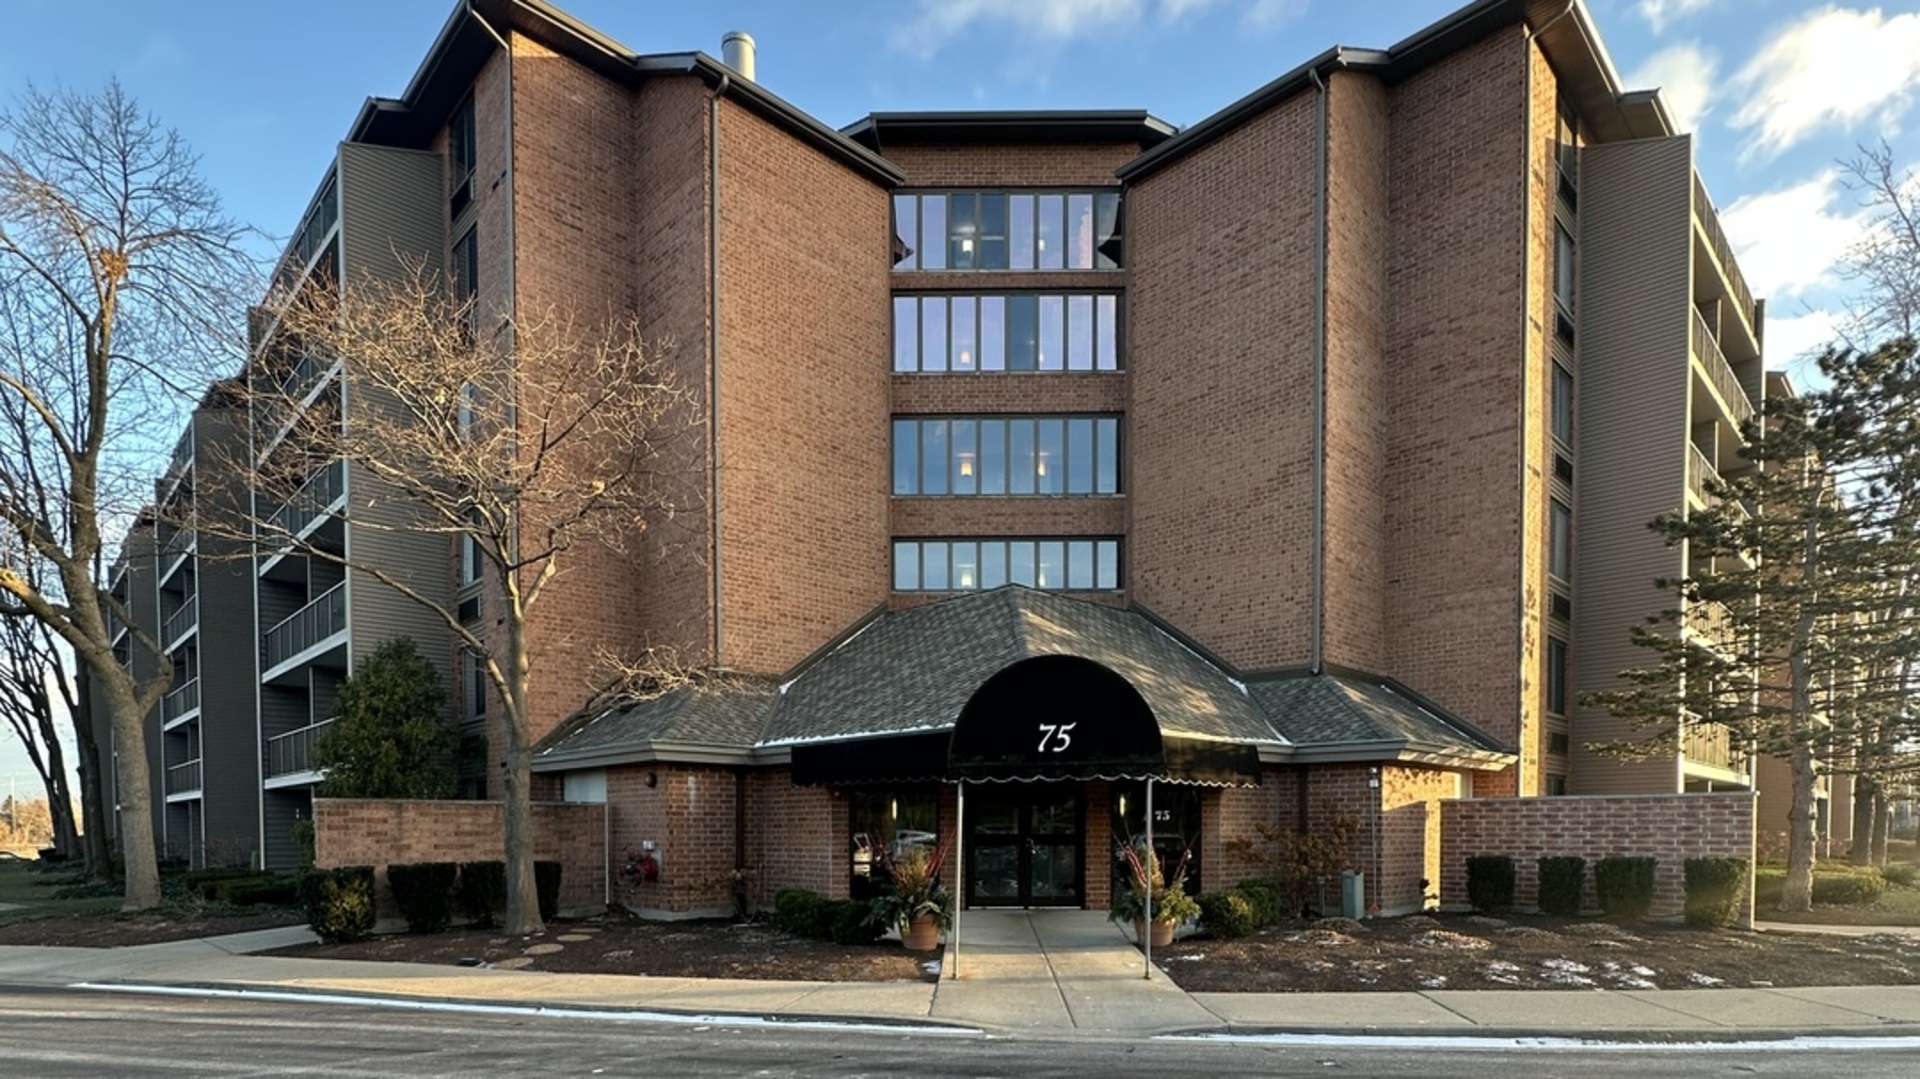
(61, 1032)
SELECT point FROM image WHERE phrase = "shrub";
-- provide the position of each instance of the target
(277, 892)
(1560, 881)
(1624, 886)
(1715, 889)
(389, 740)
(339, 902)
(1227, 914)
(851, 921)
(546, 885)
(424, 893)
(798, 911)
(1264, 897)
(1490, 883)
(1848, 889)
(1901, 874)
(482, 892)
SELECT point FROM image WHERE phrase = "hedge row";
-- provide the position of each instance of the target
(340, 902)
(802, 913)
(1623, 885)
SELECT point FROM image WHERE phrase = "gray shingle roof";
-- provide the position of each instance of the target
(914, 670)
(724, 713)
(1345, 709)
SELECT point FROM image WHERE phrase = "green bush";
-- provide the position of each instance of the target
(1264, 897)
(339, 902)
(482, 892)
(1848, 889)
(1490, 883)
(277, 892)
(1901, 874)
(1624, 886)
(424, 893)
(1560, 883)
(1716, 888)
(546, 886)
(390, 739)
(798, 911)
(1226, 915)
(851, 921)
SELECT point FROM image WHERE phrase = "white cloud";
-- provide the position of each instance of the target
(1788, 240)
(1684, 74)
(938, 22)
(1657, 12)
(1800, 337)
(1832, 66)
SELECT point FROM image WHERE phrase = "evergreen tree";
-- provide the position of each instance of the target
(391, 738)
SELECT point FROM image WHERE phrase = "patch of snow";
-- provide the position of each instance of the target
(1705, 981)
(1441, 938)
(1433, 981)
(1567, 966)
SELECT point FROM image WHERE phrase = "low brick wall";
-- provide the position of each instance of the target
(1668, 827)
(353, 831)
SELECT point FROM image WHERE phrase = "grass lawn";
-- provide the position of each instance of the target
(1899, 905)
(28, 892)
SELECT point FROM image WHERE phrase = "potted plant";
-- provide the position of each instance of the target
(914, 901)
(1146, 876)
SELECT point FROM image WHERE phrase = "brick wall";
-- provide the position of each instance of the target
(353, 831)
(688, 812)
(1668, 827)
(1220, 321)
(799, 836)
(1009, 165)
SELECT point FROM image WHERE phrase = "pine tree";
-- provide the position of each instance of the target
(391, 738)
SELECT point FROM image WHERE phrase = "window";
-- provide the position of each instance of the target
(465, 268)
(1563, 404)
(1560, 540)
(1567, 147)
(1011, 455)
(1563, 269)
(1558, 743)
(1556, 677)
(460, 156)
(883, 824)
(1008, 230)
(1556, 785)
(473, 686)
(1074, 564)
(1006, 332)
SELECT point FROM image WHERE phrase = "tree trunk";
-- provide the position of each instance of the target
(1797, 893)
(1860, 844)
(93, 803)
(1882, 825)
(137, 851)
(523, 898)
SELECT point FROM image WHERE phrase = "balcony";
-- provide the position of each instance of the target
(1700, 472)
(1709, 219)
(180, 623)
(1713, 746)
(292, 753)
(184, 778)
(180, 702)
(176, 465)
(325, 617)
(175, 549)
(1720, 372)
(309, 503)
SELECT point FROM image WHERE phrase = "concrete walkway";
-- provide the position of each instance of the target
(1041, 973)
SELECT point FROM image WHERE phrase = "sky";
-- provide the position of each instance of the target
(1776, 92)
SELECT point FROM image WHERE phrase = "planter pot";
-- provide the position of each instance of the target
(922, 934)
(1162, 932)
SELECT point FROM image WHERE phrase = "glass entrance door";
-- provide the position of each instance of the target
(1024, 845)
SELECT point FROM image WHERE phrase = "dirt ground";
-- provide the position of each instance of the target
(1331, 955)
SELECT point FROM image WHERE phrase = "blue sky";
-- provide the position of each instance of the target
(1776, 90)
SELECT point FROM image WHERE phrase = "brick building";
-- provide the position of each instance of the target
(1298, 461)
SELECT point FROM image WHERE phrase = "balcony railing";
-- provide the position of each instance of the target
(177, 464)
(180, 621)
(1711, 623)
(292, 753)
(184, 778)
(180, 701)
(1699, 472)
(310, 502)
(1713, 745)
(306, 627)
(307, 370)
(1720, 371)
(1722, 250)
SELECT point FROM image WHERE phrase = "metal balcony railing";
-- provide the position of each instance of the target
(181, 621)
(310, 502)
(180, 701)
(177, 464)
(1713, 745)
(184, 778)
(306, 371)
(292, 753)
(1699, 471)
(306, 627)
(1720, 371)
(1722, 250)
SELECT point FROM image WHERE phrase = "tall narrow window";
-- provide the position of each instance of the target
(1556, 676)
(460, 157)
(1560, 540)
(1563, 268)
(1563, 405)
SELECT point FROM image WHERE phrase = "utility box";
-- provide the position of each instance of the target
(1353, 895)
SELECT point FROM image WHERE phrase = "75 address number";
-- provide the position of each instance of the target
(1056, 737)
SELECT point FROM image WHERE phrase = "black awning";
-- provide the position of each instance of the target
(904, 758)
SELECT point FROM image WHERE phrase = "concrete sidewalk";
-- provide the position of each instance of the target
(1046, 973)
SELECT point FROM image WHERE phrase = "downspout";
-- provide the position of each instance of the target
(513, 252)
(1317, 659)
(1526, 332)
(713, 347)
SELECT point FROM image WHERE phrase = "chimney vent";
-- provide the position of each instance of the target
(736, 49)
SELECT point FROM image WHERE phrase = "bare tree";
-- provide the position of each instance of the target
(1884, 266)
(118, 280)
(35, 688)
(525, 448)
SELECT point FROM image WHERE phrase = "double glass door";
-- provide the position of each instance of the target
(1024, 845)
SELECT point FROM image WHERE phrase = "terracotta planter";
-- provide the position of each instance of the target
(1162, 932)
(922, 933)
